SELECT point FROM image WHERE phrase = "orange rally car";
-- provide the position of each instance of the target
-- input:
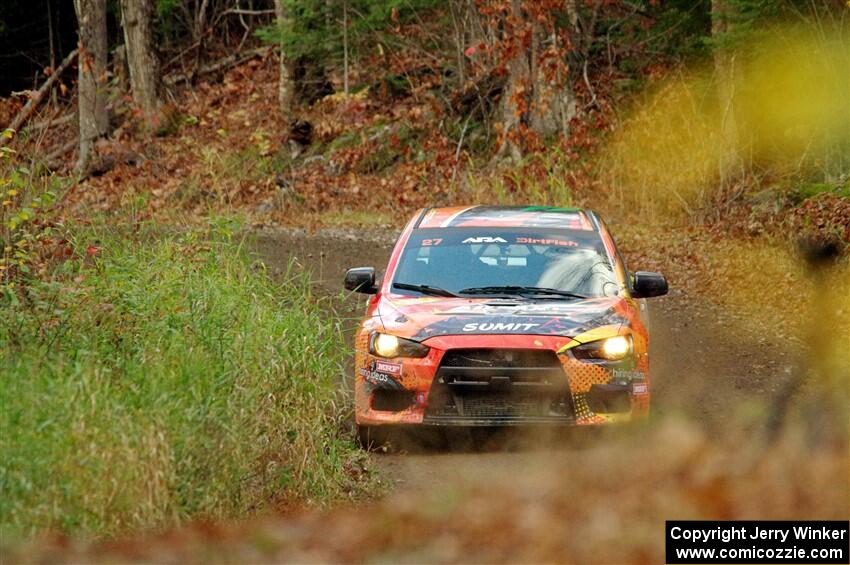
(493, 316)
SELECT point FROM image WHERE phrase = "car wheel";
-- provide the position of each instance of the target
(370, 439)
(429, 438)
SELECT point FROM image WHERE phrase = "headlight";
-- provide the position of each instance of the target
(386, 345)
(611, 349)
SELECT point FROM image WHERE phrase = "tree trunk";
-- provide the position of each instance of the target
(91, 87)
(345, 46)
(141, 58)
(284, 84)
(52, 45)
(533, 103)
(553, 102)
(515, 103)
(199, 33)
(729, 164)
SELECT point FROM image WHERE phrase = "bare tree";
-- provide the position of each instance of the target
(92, 103)
(142, 61)
(284, 85)
(467, 31)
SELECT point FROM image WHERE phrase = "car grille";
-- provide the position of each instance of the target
(502, 405)
(508, 358)
(495, 386)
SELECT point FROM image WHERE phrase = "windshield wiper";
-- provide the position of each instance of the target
(520, 290)
(425, 289)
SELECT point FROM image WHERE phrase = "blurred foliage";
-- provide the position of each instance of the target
(791, 112)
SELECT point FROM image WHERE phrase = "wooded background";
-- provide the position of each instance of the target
(532, 66)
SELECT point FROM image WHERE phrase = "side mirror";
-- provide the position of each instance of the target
(647, 284)
(361, 279)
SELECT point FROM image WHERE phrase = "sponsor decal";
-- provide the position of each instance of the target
(380, 374)
(544, 241)
(498, 327)
(484, 239)
(624, 375)
(515, 309)
(639, 388)
(514, 321)
(385, 367)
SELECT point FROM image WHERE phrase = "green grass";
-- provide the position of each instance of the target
(805, 190)
(166, 378)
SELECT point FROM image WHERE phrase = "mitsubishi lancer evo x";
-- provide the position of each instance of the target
(495, 316)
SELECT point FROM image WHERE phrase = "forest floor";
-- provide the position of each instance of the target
(533, 496)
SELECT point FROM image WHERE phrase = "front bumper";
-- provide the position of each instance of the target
(425, 391)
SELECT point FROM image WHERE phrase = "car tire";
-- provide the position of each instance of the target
(370, 439)
(429, 438)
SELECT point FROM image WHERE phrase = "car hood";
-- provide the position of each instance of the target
(420, 318)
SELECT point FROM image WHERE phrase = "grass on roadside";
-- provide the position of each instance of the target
(163, 378)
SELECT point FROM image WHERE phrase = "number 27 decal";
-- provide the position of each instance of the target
(430, 242)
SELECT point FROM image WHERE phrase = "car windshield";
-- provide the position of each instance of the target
(516, 261)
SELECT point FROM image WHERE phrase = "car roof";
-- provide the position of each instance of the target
(508, 216)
